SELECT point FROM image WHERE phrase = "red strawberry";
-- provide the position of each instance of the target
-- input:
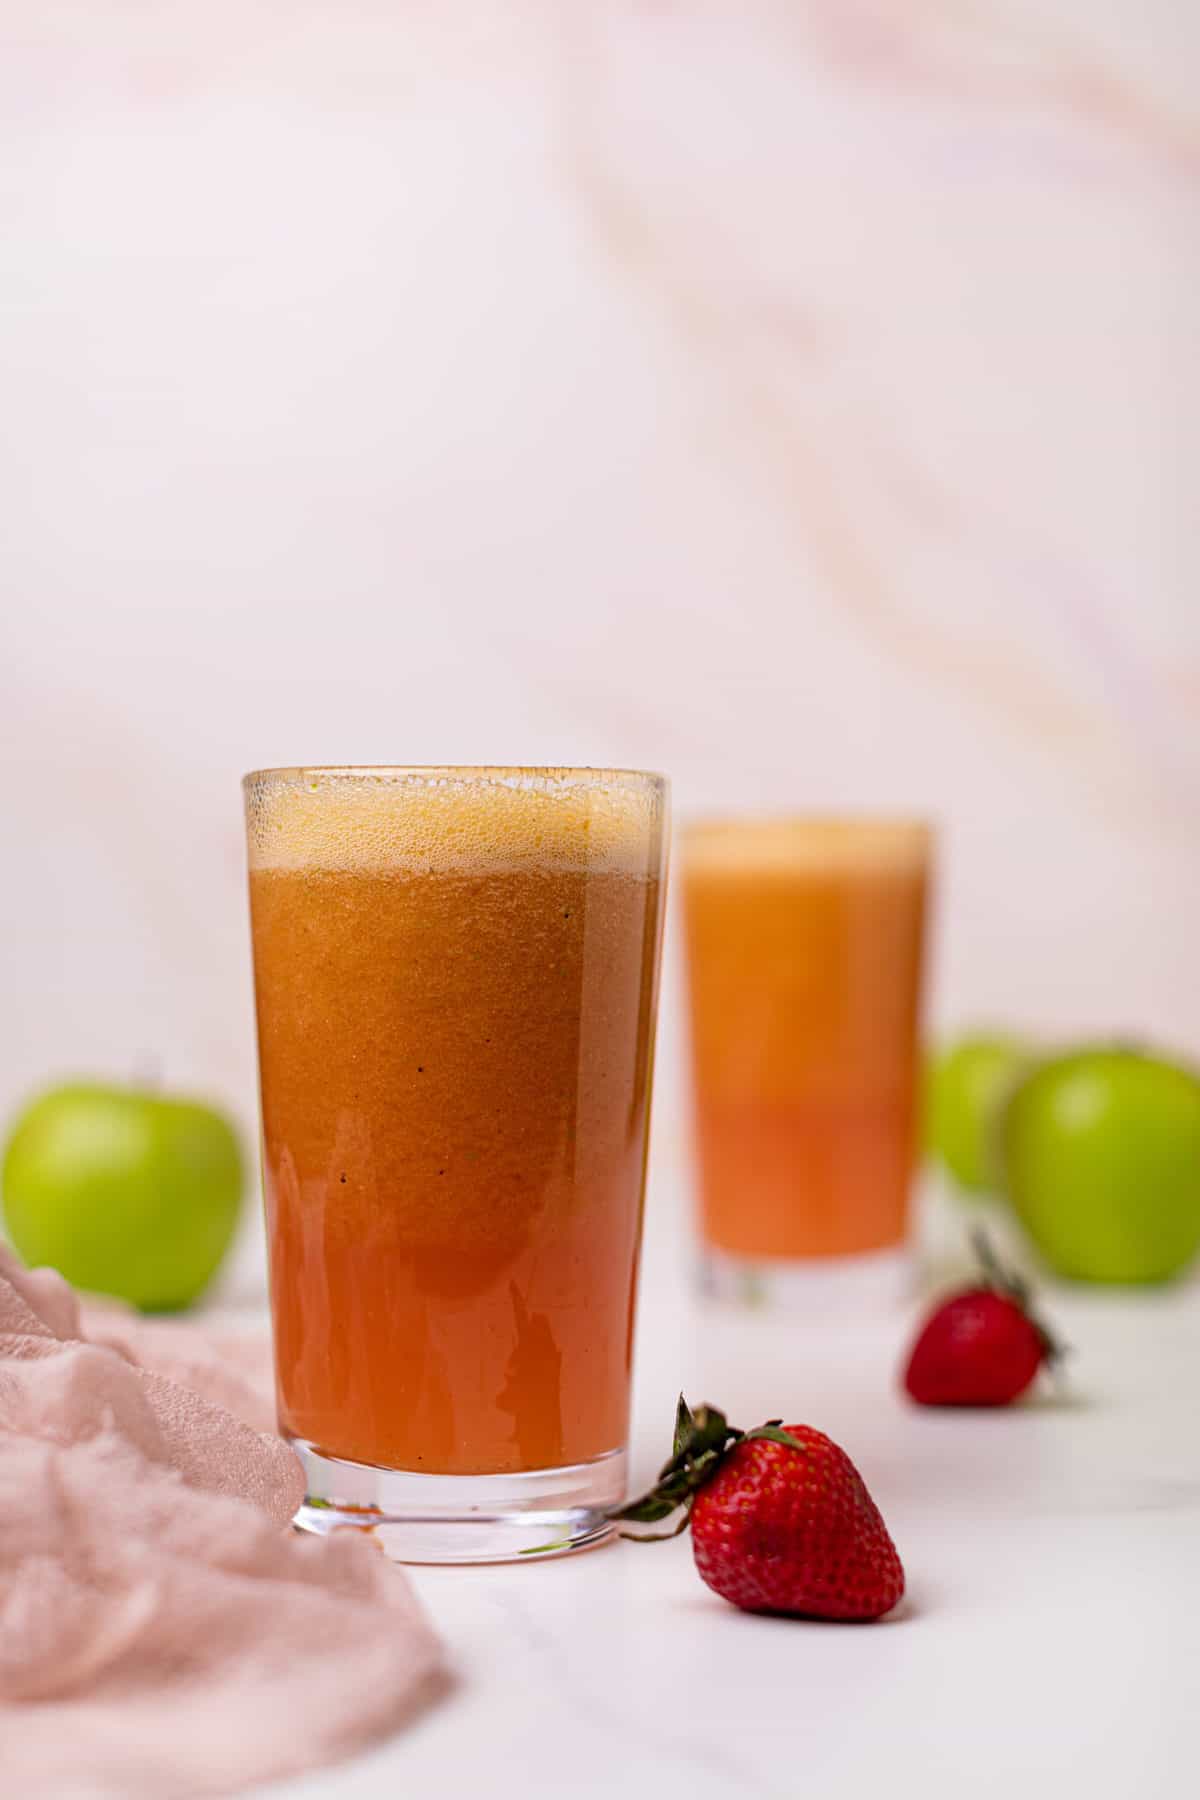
(781, 1520)
(981, 1347)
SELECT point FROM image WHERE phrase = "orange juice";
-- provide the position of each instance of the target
(455, 981)
(804, 942)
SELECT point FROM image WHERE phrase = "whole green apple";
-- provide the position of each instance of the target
(1101, 1154)
(123, 1191)
(965, 1090)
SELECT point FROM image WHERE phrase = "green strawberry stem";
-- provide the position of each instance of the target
(702, 1441)
(1015, 1288)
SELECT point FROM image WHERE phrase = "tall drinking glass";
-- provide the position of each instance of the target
(456, 976)
(805, 941)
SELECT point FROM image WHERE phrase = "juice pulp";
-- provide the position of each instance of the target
(455, 992)
(804, 950)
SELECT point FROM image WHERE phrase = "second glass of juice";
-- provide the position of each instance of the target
(455, 977)
(804, 942)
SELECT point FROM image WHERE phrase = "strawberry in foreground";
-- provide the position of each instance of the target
(781, 1519)
(981, 1347)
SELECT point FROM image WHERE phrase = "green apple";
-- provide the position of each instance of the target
(966, 1087)
(1102, 1164)
(125, 1192)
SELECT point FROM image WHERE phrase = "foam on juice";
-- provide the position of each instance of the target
(429, 820)
(795, 846)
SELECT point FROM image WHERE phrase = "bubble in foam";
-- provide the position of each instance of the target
(429, 820)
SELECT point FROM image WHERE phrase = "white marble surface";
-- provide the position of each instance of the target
(1050, 1641)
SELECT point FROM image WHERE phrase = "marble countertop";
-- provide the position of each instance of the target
(1050, 1637)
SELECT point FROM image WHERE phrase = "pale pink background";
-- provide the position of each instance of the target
(801, 398)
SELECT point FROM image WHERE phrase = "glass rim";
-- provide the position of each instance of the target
(547, 772)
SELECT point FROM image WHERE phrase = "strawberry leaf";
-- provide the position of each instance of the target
(700, 1443)
(684, 1424)
(659, 1537)
(1005, 1281)
(774, 1435)
(1014, 1287)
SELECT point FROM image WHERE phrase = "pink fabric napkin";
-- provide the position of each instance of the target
(162, 1632)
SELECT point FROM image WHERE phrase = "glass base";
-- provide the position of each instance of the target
(809, 1285)
(463, 1518)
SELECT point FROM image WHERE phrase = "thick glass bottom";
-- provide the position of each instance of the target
(463, 1518)
(813, 1284)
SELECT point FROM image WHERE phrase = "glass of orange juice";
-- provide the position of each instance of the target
(804, 941)
(456, 974)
